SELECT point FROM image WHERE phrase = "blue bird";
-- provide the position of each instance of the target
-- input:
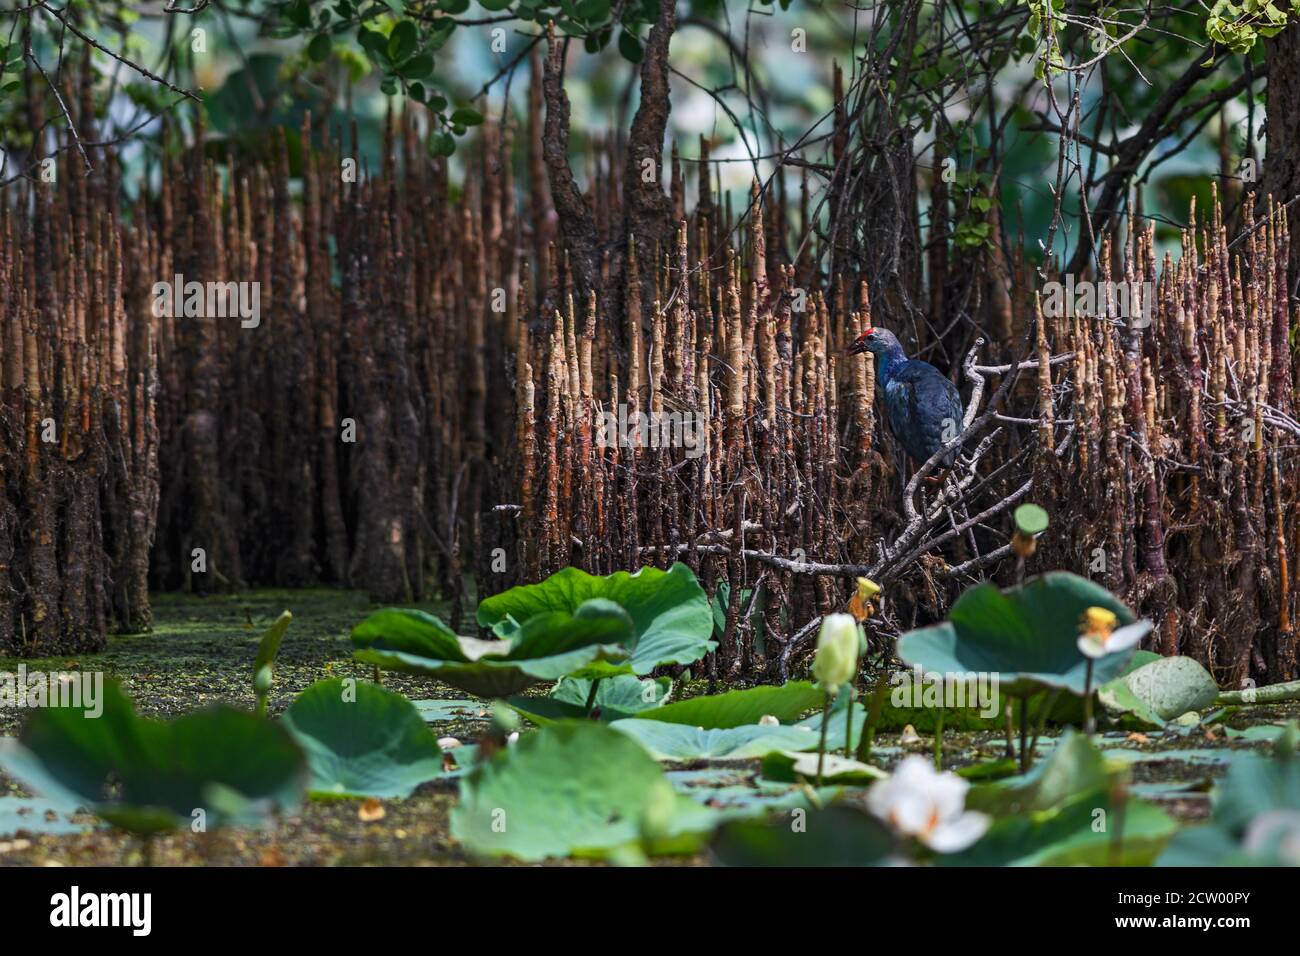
(924, 409)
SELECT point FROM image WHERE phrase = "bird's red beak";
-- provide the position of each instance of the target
(860, 343)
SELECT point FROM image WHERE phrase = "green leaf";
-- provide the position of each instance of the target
(1160, 691)
(494, 6)
(737, 708)
(449, 709)
(617, 697)
(1027, 635)
(630, 46)
(467, 116)
(669, 609)
(1074, 766)
(441, 143)
(415, 632)
(318, 50)
(668, 741)
(571, 788)
(236, 768)
(417, 67)
(299, 14)
(795, 766)
(1082, 832)
(269, 646)
(402, 41)
(454, 7)
(593, 11)
(372, 40)
(1202, 846)
(362, 740)
(837, 836)
(546, 647)
(1030, 519)
(1256, 784)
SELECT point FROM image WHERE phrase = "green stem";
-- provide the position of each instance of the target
(1011, 733)
(591, 696)
(375, 675)
(873, 718)
(260, 710)
(1089, 724)
(848, 726)
(821, 747)
(1272, 694)
(1024, 734)
(1043, 713)
(938, 740)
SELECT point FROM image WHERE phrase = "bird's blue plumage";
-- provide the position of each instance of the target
(924, 409)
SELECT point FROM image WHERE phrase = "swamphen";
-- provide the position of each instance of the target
(923, 408)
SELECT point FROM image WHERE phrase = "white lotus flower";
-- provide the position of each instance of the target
(1099, 636)
(921, 802)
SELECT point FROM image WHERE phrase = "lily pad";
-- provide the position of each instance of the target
(669, 610)
(836, 836)
(1074, 766)
(546, 647)
(1255, 784)
(19, 815)
(671, 741)
(618, 697)
(789, 765)
(1160, 691)
(1027, 635)
(1081, 832)
(362, 740)
(738, 708)
(570, 788)
(449, 709)
(1256, 788)
(738, 795)
(234, 767)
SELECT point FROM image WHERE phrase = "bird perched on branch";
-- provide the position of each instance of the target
(924, 409)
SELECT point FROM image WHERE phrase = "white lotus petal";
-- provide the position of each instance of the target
(957, 834)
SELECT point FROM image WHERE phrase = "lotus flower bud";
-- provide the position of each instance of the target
(262, 679)
(837, 651)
